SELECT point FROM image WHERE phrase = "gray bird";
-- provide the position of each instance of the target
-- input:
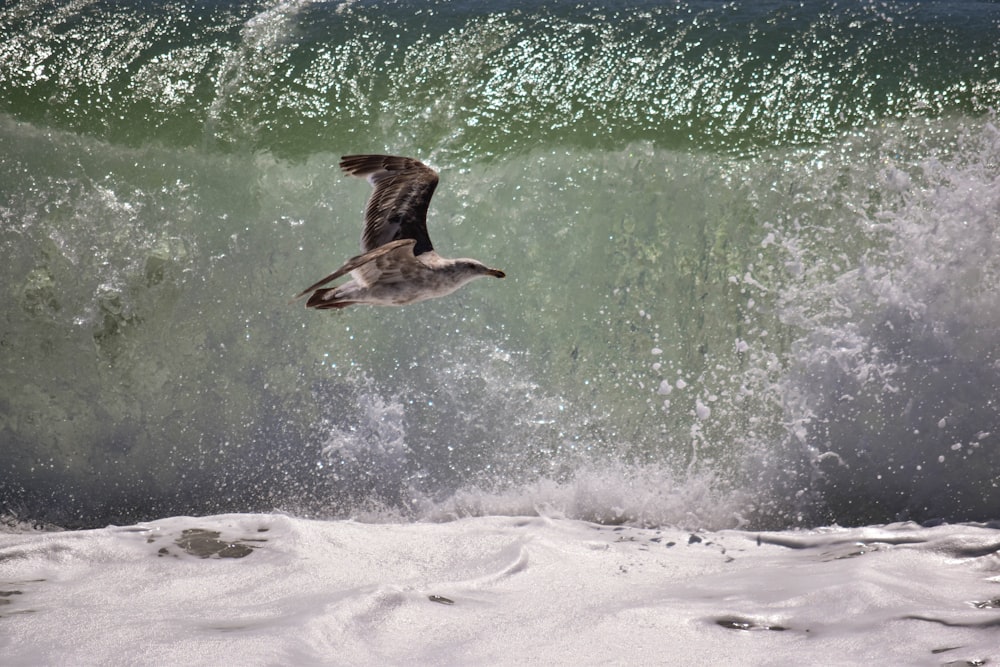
(398, 264)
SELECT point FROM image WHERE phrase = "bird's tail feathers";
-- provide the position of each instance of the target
(326, 299)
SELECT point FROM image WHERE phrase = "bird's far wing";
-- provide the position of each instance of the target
(357, 262)
(397, 207)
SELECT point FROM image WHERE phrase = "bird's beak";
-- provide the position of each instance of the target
(496, 273)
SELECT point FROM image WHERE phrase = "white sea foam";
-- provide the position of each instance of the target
(274, 590)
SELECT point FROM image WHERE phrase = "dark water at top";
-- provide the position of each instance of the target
(750, 248)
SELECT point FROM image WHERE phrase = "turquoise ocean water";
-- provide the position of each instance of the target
(753, 259)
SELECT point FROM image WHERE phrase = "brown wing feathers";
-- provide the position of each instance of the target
(397, 207)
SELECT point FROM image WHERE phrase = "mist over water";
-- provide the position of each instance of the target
(893, 383)
(751, 262)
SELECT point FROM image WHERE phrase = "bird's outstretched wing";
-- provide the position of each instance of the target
(397, 207)
(357, 262)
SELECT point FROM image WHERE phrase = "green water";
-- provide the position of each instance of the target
(739, 240)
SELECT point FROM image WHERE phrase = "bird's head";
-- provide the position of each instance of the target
(475, 269)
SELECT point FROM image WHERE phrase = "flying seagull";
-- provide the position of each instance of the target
(398, 264)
